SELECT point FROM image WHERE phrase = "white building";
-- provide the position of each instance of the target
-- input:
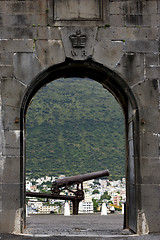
(45, 209)
(103, 183)
(28, 185)
(86, 207)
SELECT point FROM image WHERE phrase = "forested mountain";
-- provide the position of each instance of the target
(74, 126)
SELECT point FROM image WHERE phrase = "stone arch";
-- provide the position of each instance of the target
(124, 95)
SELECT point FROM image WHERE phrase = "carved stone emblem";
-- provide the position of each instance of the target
(78, 40)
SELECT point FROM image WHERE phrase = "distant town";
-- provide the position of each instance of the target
(96, 191)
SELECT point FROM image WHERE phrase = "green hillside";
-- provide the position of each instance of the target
(74, 126)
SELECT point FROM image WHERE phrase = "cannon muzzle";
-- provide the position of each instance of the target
(68, 181)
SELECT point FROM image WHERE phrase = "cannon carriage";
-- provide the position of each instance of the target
(66, 183)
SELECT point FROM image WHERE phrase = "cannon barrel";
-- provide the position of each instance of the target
(68, 181)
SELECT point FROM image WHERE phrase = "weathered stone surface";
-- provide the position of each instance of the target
(127, 33)
(148, 200)
(16, 45)
(116, 7)
(78, 53)
(26, 67)
(49, 52)
(13, 7)
(138, 20)
(74, 9)
(146, 93)
(131, 68)
(108, 53)
(9, 192)
(6, 59)
(50, 33)
(28, 20)
(33, 33)
(142, 46)
(7, 220)
(6, 71)
(150, 144)
(148, 124)
(152, 60)
(12, 143)
(116, 20)
(12, 92)
(11, 170)
(150, 170)
(153, 219)
(153, 72)
(11, 117)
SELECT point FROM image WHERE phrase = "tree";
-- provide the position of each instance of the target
(105, 196)
(95, 205)
(95, 191)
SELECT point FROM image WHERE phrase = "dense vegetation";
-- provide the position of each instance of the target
(74, 126)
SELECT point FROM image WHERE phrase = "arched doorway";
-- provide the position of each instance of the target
(126, 99)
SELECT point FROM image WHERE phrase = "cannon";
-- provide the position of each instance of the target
(75, 195)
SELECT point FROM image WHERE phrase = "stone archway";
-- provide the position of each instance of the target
(106, 41)
(126, 99)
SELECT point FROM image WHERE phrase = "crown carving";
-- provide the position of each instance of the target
(78, 40)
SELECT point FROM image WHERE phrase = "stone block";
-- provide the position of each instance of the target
(150, 7)
(13, 32)
(147, 193)
(51, 33)
(150, 170)
(116, 20)
(7, 219)
(6, 71)
(153, 218)
(127, 33)
(133, 20)
(2, 145)
(16, 45)
(153, 73)
(78, 53)
(12, 92)
(0, 195)
(139, 7)
(142, 46)
(11, 170)
(39, 32)
(76, 10)
(16, 7)
(49, 52)
(150, 20)
(149, 123)
(26, 67)
(6, 59)
(147, 93)
(11, 117)
(108, 53)
(158, 2)
(2, 161)
(116, 7)
(141, 21)
(131, 68)
(27, 20)
(151, 60)
(147, 200)
(12, 143)
(11, 196)
(149, 145)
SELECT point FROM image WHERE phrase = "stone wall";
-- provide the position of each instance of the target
(122, 36)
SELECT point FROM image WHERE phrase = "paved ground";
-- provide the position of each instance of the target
(83, 227)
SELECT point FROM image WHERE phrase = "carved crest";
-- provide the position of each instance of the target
(78, 40)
